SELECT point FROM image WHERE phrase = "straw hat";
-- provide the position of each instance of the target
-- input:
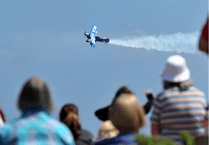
(176, 69)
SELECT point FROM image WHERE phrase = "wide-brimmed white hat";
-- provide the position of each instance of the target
(176, 69)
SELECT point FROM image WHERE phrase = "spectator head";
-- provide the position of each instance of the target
(122, 90)
(176, 70)
(107, 130)
(67, 109)
(69, 116)
(103, 113)
(35, 94)
(127, 114)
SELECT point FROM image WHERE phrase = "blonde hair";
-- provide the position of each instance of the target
(127, 114)
(35, 94)
(107, 130)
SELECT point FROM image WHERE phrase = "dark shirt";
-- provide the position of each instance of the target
(85, 138)
(123, 139)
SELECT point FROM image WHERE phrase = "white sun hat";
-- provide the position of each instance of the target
(176, 69)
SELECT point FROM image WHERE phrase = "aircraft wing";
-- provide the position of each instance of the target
(93, 34)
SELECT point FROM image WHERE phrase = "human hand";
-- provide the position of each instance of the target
(149, 91)
(149, 94)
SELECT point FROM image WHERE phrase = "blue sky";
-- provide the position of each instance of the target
(45, 38)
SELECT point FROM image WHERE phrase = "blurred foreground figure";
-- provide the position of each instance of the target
(206, 122)
(2, 119)
(1, 122)
(128, 116)
(181, 106)
(203, 139)
(203, 41)
(35, 126)
(107, 130)
(69, 116)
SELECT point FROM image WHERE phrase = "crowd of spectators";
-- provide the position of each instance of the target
(180, 107)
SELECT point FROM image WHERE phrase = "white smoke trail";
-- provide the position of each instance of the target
(178, 42)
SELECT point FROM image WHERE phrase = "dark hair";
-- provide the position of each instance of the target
(69, 116)
(2, 116)
(122, 90)
(67, 109)
(168, 85)
(35, 94)
(103, 113)
(181, 85)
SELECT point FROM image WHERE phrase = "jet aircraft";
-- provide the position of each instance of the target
(93, 37)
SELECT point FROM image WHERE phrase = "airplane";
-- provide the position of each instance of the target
(93, 37)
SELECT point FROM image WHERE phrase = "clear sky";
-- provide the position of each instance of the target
(44, 38)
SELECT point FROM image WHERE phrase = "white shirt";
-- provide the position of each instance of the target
(1, 122)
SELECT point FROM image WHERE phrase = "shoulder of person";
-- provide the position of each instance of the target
(85, 137)
(61, 127)
(57, 126)
(166, 92)
(105, 141)
(196, 90)
(86, 132)
(161, 95)
(7, 129)
(64, 132)
(11, 124)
